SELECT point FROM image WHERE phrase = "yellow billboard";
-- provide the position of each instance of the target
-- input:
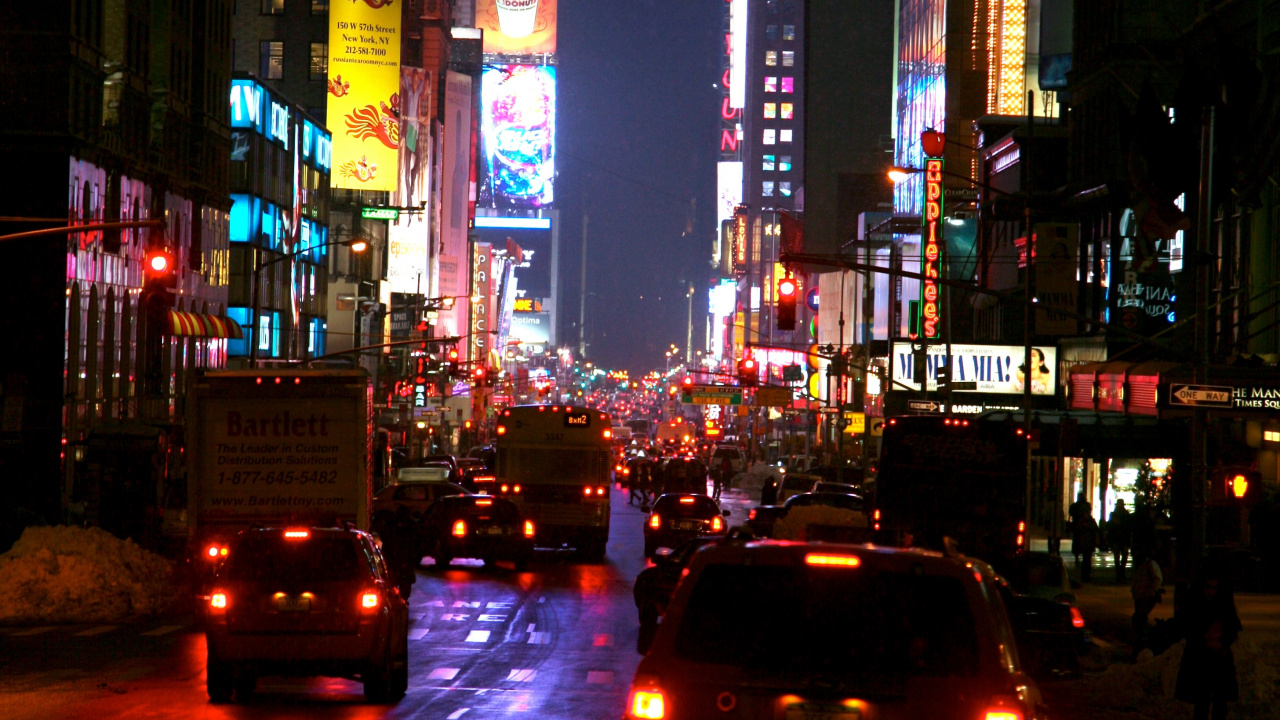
(364, 93)
(517, 27)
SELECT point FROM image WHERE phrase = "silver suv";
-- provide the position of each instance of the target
(833, 632)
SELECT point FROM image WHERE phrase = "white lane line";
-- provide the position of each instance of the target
(522, 674)
(97, 631)
(417, 616)
(541, 600)
(478, 636)
(443, 674)
(531, 627)
(458, 713)
(162, 630)
(417, 633)
(600, 677)
(32, 631)
(540, 638)
(603, 640)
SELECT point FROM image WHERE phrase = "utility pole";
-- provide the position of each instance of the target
(688, 335)
(1193, 550)
(1029, 311)
(582, 300)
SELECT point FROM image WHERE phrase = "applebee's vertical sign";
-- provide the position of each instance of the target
(481, 267)
(931, 249)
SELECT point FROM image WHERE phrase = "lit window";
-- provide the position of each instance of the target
(784, 164)
(770, 111)
(319, 61)
(770, 32)
(788, 32)
(788, 84)
(319, 7)
(1271, 436)
(785, 136)
(272, 7)
(788, 58)
(272, 59)
(788, 111)
(785, 189)
(766, 188)
(768, 163)
(770, 57)
(769, 136)
(771, 84)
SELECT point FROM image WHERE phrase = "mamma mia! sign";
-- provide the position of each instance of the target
(995, 368)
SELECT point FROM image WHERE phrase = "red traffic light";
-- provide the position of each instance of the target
(159, 263)
(787, 287)
(749, 364)
(478, 373)
(688, 381)
(453, 355)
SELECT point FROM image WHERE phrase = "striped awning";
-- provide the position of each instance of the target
(201, 325)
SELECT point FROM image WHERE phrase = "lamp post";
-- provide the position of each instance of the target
(357, 245)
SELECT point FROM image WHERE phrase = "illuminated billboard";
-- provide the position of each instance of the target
(364, 94)
(729, 189)
(993, 368)
(517, 131)
(533, 274)
(517, 27)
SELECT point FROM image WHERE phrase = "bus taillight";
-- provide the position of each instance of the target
(587, 491)
(502, 429)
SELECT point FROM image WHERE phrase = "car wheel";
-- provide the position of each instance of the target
(400, 677)
(219, 681)
(648, 629)
(378, 681)
(246, 684)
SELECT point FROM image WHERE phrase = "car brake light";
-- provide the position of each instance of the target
(586, 490)
(655, 521)
(751, 515)
(1022, 526)
(1021, 540)
(460, 528)
(1077, 619)
(608, 434)
(686, 501)
(600, 490)
(876, 515)
(832, 560)
(218, 603)
(484, 502)
(515, 489)
(648, 704)
(617, 468)
(716, 524)
(528, 528)
(297, 534)
(1002, 714)
(502, 429)
(504, 488)
(369, 600)
(212, 552)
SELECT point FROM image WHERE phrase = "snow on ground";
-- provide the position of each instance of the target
(753, 480)
(72, 574)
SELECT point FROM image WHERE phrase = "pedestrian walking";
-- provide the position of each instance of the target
(1076, 513)
(1147, 591)
(1207, 675)
(722, 479)
(1120, 537)
(1084, 544)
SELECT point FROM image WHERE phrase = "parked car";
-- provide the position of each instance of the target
(677, 517)
(477, 526)
(305, 602)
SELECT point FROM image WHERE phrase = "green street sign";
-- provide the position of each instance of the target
(375, 213)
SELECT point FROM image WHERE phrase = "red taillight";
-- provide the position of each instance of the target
(528, 528)
(655, 521)
(751, 515)
(1021, 540)
(515, 489)
(212, 552)
(297, 534)
(484, 502)
(687, 500)
(460, 528)
(717, 524)
(586, 491)
(617, 468)
(600, 490)
(648, 704)
(1077, 619)
(1022, 526)
(370, 600)
(626, 471)
(875, 515)
(502, 429)
(852, 561)
(218, 602)
(1002, 714)
(1004, 708)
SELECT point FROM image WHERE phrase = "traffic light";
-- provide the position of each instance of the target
(787, 291)
(160, 277)
(1235, 485)
(452, 367)
(687, 382)
(749, 372)
(477, 375)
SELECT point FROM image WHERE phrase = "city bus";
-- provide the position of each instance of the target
(555, 462)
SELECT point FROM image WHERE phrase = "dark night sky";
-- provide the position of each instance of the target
(636, 102)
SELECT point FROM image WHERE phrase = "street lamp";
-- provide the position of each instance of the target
(357, 245)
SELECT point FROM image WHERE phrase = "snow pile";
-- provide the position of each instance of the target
(795, 526)
(71, 574)
(754, 479)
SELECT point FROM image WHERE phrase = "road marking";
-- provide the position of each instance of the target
(600, 677)
(417, 633)
(603, 641)
(522, 674)
(162, 630)
(96, 631)
(443, 674)
(540, 638)
(458, 713)
(418, 616)
(478, 636)
(531, 627)
(542, 600)
(32, 631)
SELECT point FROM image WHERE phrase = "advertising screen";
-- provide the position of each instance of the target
(729, 189)
(533, 330)
(994, 368)
(517, 130)
(517, 27)
(364, 94)
(533, 275)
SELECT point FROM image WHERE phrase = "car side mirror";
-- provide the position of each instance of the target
(725, 513)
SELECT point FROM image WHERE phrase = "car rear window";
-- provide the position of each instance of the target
(700, 506)
(499, 511)
(804, 620)
(319, 558)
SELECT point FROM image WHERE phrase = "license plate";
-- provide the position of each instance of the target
(293, 604)
(492, 531)
(820, 711)
(688, 525)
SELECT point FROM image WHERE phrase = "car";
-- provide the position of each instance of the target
(474, 475)
(823, 486)
(794, 484)
(434, 473)
(477, 526)
(1051, 634)
(1038, 574)
(305, 602)
(833, 632)
(677, 517)
(415, 497)
(737, 459)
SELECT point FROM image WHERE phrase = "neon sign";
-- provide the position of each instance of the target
(931, 252)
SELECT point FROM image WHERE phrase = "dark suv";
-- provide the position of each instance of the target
(677, 517)
(833, 632)
(306, 602)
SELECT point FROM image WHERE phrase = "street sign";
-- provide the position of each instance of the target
(712, 395)
(376, 213)
(855, 423)
(923, 405)
(877, 427)
(1215, 396)
(773, 397)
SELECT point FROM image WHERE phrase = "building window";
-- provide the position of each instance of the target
(769, 136)
(766, 188)
(788, 111)
(319, 7)
(770, 32)
(788, 84)
(784, 163)
(771, 57)
(788, 32)
(784, 189)
(319, 61)
(272, 7)
(272, 57)
(771, 7)
(785, 136)
(788, 58)
(768, 163)
(771, 84)
(770, 111)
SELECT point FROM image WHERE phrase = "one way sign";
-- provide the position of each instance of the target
(1215, 396)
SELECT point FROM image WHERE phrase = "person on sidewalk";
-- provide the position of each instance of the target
(1207, 675)
(1120, 536)
(1079, 510)
(1147, 591)
(1084, 544)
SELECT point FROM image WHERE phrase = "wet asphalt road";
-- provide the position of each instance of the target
(555, 642)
